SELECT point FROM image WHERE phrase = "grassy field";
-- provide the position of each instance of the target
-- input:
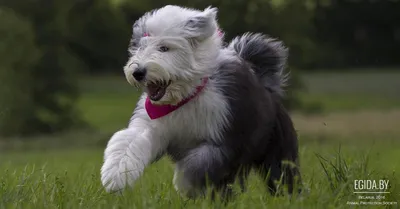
(355, 137)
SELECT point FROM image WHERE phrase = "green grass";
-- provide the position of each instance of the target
(107, 102)
(62, 171)
(70, 179)
(364, 89)
(334, 102)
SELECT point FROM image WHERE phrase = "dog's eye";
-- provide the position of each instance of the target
(163, 49)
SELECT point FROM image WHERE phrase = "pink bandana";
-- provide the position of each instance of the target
(157, 111)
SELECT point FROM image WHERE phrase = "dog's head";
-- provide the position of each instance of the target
(171, 50)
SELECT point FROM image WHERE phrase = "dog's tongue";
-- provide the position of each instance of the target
(153, 88)
(156, 92)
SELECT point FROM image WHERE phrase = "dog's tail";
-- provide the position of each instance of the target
(267, 57)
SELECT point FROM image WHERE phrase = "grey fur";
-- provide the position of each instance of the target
(267, 57)
(261, 134)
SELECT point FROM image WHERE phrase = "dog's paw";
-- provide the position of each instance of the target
(115, 178)
(122, 167)
(184, 186)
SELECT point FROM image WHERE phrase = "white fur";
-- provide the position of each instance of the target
(184, 64)
(130, 150)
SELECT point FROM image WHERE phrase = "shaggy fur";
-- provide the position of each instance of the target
(236, 123)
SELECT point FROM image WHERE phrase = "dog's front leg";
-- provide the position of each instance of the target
(127, 154)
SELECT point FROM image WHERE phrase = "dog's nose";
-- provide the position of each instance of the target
(139, 73)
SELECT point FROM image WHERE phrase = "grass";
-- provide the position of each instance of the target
(352, 91)
(70, 179)
(336, 148)
(108, 102)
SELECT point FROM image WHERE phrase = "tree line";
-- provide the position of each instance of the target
(44, 44)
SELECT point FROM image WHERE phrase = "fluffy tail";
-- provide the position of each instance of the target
(266, 55)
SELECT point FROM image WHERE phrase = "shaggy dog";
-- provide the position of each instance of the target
(215, 109)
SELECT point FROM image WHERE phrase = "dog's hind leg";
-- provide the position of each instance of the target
(242, 176)
(226, 190)
(281, 161)
(270, 171)
(206, 164)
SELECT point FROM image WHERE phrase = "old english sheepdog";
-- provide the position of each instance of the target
(215, 109)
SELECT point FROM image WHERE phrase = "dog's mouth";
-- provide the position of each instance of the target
(156, 90)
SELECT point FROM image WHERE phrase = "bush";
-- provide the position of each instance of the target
(37, 94)
(18, 53)
(99, 34)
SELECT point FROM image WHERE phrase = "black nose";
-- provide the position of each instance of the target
(139, 73)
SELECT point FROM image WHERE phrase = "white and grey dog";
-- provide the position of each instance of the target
(215, 110)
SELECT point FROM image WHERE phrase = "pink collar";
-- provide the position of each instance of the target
(157, 111)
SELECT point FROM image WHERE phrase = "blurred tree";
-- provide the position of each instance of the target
(92, 36)
(18, 52)
(39, 91)
(99, 34)
(357, 33)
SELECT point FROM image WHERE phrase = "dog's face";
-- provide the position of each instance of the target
(171, 50)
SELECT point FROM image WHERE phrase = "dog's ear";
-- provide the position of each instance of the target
(203, 25)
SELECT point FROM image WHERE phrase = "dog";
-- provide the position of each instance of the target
(214, 108)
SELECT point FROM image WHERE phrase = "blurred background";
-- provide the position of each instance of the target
(62, 83)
